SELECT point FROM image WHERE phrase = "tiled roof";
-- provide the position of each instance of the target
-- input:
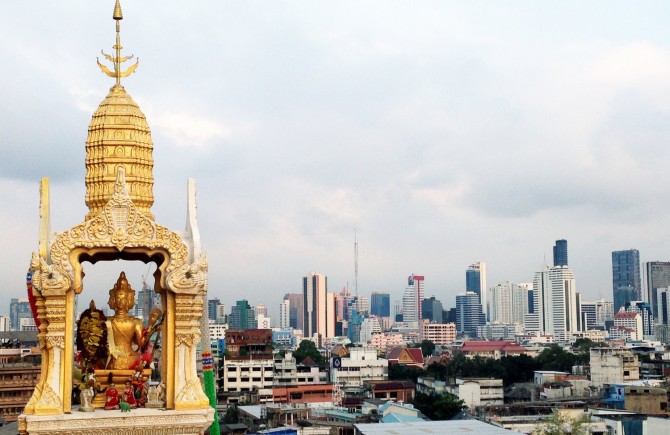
(416, 354)
(395, 352)
(626, 315)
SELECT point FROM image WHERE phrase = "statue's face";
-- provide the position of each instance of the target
(122, 301)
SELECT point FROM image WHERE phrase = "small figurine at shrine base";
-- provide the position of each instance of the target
(155, 396)
(86, 397)
(112, 397)
(128, 395)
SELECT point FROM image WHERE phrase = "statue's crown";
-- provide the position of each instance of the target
(122, 285)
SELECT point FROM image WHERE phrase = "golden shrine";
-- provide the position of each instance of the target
(119, 225)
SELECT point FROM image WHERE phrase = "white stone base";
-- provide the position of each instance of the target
(139, 421)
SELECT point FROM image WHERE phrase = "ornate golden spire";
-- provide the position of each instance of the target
(117, 60)
(119, 136)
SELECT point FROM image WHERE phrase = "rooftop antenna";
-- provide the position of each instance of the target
(355, 263)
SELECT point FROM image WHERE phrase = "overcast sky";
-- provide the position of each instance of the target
(441, 133)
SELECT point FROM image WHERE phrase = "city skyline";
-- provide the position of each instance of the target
(304, 126)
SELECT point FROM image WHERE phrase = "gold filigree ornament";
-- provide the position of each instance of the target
(119, 225)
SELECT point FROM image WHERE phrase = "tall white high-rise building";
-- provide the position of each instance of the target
(555, 302)
(539, 320)
(507, 302)
(285, 314)
(319, 306)
(564, 301)
(411, 299)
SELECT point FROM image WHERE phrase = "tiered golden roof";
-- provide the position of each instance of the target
(119, 136)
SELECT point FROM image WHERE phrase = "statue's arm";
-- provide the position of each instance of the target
(138, 334)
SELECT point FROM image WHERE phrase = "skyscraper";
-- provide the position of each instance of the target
(475, 281)
(507, 302)
(212, 305)
(563, 302)
(561, 253)
(588, 315)
(296, 310)
(663, 306)
(656, 276)
(411, 299)
(380, 304)
(318, 306)
(626, 282)
(18, 309)
(285, 314)
(431, 309)
(469, 313)
(555, 302)
(242, 316)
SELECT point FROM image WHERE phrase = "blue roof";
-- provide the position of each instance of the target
(399, 418)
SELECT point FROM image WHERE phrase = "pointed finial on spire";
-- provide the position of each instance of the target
(118, 15)
(117, 59)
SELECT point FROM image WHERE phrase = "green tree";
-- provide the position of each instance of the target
(555, 358)
(438, 407)
(307, 348)
(427, 348)
(437, 371)
(232, 415)
(401, 372)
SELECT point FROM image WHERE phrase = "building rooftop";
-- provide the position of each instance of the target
(458, 427)
(501, 345)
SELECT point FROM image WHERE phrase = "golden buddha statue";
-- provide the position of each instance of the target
(124, 332)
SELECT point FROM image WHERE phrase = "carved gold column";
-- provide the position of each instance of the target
(50, 286)
(188, 388)
(51, 399)
(41, 338)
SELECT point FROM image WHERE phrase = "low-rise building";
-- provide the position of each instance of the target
(303, 394)
(499, 331)
(430, 386)
(541, 377)
(288, 373)
(613, 366)
(386, 341)
(361, 365)
(17, 382)
(478, 391)
(391, 390)
(241, 342)
(495, 349)
(244, 373)
(439, 333)
(631, 320)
